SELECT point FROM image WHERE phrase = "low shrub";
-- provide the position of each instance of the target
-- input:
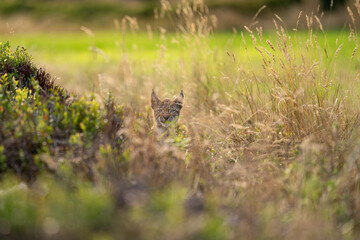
(37, 116)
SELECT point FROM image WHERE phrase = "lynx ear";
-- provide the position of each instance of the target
(154, 99)
(180, 97)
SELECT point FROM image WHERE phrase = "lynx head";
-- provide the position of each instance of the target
(166, 112)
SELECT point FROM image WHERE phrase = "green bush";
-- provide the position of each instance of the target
(37, 116)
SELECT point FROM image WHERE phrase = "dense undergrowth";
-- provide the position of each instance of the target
(39, 117)
(271, 152)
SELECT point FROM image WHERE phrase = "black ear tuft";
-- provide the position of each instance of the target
(180, 98)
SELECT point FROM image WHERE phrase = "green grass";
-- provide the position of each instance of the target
(54, 46)
(69, 55)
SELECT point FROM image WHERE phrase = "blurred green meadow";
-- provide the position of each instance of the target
(270, 140)
(78, 57)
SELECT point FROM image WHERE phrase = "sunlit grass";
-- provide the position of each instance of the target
(76, 57)
(270, 151)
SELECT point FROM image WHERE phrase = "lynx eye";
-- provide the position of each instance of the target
(174, 112)
(177, 106)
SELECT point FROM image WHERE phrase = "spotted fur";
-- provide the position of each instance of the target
(166, 112)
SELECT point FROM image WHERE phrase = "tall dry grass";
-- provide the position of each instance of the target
(272, 147)
(274, 142)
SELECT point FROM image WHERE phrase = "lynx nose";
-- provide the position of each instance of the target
(166, 118)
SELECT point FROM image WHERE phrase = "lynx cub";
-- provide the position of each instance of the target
(166, 112)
